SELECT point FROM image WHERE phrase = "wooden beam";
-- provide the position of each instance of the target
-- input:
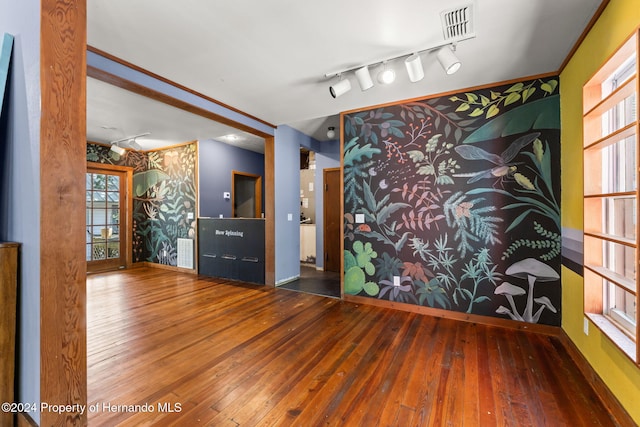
(270, 212)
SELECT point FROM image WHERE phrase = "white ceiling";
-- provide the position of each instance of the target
(269, 58)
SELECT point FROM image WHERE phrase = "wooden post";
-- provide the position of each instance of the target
(8, 289)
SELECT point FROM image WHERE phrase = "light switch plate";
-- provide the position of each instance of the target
(359, 218)
(586, 326)
(190, 215)
(289, 217)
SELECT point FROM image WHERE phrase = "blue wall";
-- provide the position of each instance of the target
(327, 156)
(216, 160)
(287, 201)
(20, 184)
(287, 176)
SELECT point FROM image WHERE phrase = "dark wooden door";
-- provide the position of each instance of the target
(332, 218)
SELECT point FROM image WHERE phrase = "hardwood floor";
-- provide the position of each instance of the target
(223, 354)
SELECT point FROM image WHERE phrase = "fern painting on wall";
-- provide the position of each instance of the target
(453, 202)
(164, 193)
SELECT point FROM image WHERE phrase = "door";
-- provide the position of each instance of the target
(247, 195)
(332, 219)
(107, 233)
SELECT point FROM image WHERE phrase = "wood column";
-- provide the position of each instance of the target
(8, 290)
(63, 345)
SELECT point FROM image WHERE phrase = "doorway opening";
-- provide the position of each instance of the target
(316, 275)
(246, 196)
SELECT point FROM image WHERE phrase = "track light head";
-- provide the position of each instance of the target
(340, 88)
(134, 144)
(414, 67)
(364, 78)
(387, 75)
(448, 60)
(118, 150)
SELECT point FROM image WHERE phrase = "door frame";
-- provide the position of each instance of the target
(257, 191)
(127, 216)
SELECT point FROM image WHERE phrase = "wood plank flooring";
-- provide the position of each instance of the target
(172, 349)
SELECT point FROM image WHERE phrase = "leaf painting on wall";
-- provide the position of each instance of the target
(449, 193)
(164, 192)
(144, 181)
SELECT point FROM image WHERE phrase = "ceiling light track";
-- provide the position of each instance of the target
(127, 138)
(131, 143)
(413, 63)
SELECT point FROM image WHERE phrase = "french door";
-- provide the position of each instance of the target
(107, 218)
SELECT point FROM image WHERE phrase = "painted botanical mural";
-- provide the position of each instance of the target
(453, 202)
(164, 192)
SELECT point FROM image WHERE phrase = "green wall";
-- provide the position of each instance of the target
(164, 193)
(618, 21)
(452, 202)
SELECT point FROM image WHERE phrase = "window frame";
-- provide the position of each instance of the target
(607, 264)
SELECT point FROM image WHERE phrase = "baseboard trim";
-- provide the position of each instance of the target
(605, 395)
(287, 280)
(456, 315)
(165, 267)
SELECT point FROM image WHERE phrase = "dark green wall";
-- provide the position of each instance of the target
(460, 200)
(164, 193)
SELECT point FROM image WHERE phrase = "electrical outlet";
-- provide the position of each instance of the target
(396, 280)
(586, 326)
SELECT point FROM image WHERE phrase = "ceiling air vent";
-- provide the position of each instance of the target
(457, 23)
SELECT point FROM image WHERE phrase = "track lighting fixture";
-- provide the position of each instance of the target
(414, 67)
(129, 142)
(331, 133)
(364, 78)
(412, 61)
(387, 75)
(134, 144)
(118, 150)
(340, 88)
(448, 60)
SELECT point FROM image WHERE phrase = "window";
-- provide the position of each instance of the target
(611, 198)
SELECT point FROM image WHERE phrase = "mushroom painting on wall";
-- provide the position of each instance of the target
(532, 271)
(452, 202)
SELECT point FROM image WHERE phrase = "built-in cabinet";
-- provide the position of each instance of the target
(232, 248)
(8, 292)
